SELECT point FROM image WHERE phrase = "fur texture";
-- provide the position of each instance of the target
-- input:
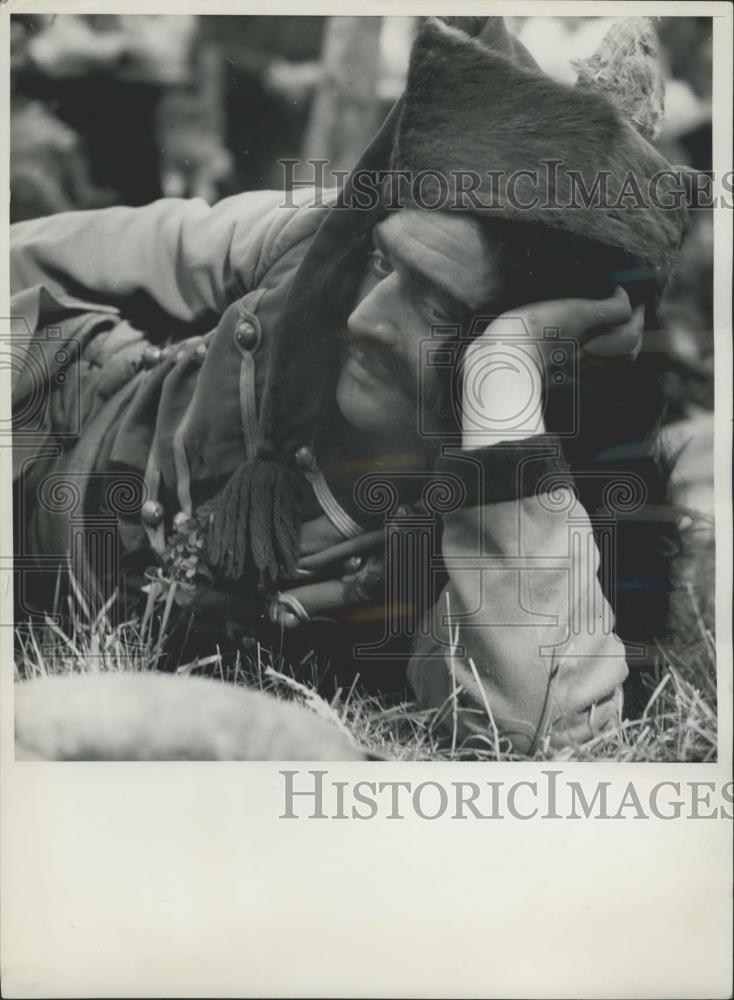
(470, 107)
(625, 68)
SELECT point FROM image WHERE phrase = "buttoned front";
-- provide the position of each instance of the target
(152, 356)
(192, 416)
(151, 513)
(305, 458)
(246, 335)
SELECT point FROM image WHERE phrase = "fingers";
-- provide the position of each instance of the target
(293, 607)
(362, 583)
(342, 550)
(623, 341)
(615, 309)
(319, 534)
(582, 318)
(571, 318)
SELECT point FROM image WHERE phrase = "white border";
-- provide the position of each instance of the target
(179, 880)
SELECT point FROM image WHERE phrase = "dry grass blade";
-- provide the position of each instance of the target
(310, 697)
(679, 722)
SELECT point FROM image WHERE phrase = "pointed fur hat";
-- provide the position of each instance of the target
(478, 102)
(475, 100)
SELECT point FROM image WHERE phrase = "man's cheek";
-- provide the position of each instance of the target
(396, 409)
(378, 399)
(429, 387)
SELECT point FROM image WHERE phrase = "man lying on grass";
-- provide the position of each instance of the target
(363, 426)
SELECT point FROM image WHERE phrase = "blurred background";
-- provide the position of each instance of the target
(122, 109)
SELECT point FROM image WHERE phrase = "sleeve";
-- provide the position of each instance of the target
(177, 258)
(166, 270)
(520, 644)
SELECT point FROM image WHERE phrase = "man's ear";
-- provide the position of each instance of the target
(626, 69)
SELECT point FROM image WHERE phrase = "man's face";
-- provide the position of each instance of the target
(426, 269)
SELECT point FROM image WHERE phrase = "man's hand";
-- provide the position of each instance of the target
(504, 370)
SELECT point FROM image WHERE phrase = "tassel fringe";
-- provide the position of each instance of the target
(255, 524)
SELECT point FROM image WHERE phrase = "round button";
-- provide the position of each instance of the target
(200, 353)
(152, 356)
(151, 513)
(305, 458)
(246, 334)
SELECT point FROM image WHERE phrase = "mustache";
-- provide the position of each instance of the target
(385, 363)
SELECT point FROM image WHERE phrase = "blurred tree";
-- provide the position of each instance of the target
(344, 113)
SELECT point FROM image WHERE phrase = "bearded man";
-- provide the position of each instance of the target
(413, 430)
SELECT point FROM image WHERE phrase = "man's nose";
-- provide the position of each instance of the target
(376, 313)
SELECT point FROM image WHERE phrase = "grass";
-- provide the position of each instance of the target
(679, 723)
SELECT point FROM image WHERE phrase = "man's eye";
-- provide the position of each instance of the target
(380, 264)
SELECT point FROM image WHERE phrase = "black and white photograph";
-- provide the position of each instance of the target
(363, 397)
(366, 398)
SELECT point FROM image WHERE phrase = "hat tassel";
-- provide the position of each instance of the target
(255, 522)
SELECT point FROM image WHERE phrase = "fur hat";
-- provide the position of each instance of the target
(481, 104)
(475, 100)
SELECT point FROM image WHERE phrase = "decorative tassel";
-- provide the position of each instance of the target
(256, 522)
(626, 69)
(286, 528)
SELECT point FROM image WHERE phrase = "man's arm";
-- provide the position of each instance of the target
(169, 269)
(521, 642)
(183, 258)
(522, 634)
